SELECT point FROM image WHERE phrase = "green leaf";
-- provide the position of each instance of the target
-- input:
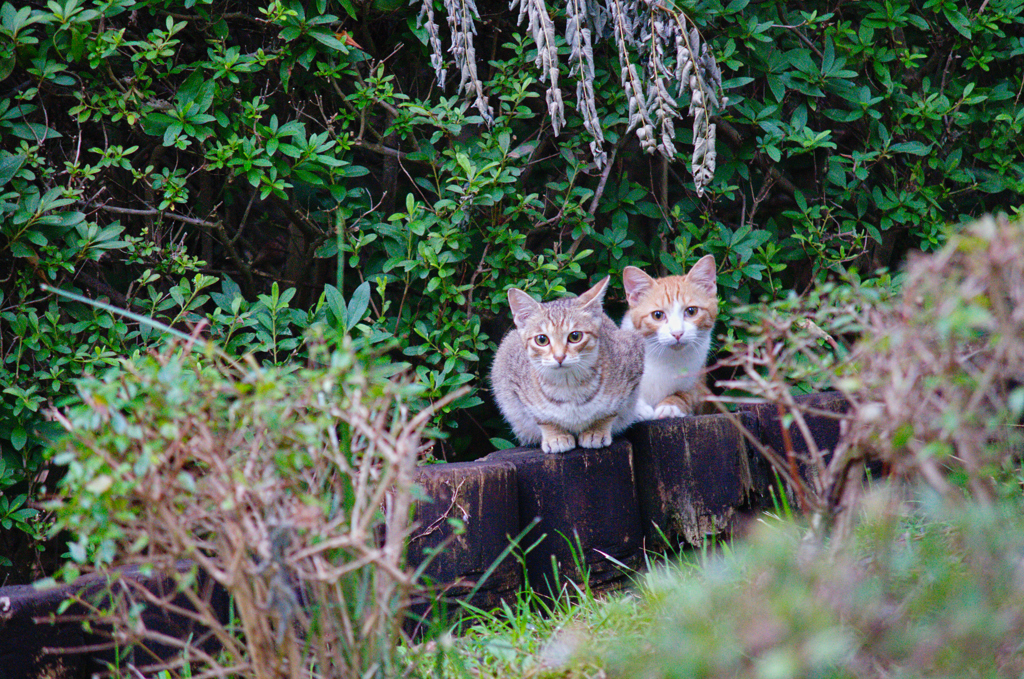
(19, 437)
(19, 249)
(36, 238)
(325, 37)
(9, 167)
(959, 22)
(357, 305)
(336, 303)
(354, 171)
(77, 551)
(349, 8)
(34, 131)
(171, 133)
(913, 147)
(649, 209)
(673, 266)
(801, 202)
(828, 58)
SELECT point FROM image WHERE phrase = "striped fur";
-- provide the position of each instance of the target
(566, 375)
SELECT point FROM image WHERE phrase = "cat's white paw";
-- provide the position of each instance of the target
(644, 411)
(558, 444)
(595, 439)
(666, 410)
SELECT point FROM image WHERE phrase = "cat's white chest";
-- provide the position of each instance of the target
(675, 316)
(667, 371)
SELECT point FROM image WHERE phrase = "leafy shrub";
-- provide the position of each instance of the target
(932, 372)
(936, 596)
(289, 488)
(937, 387)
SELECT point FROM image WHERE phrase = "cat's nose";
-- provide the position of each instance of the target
(559, 358)
(678, 334)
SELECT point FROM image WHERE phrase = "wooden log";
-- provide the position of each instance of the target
(31, 645)
(694, 478)
(825, 429)
(39, 639)
(463, 528)
(584, 509)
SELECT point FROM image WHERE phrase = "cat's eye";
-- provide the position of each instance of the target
(658, 315)
(541, 340)
(691, 311)
(575, 336)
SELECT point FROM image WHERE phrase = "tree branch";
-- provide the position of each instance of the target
(379, 148)
(153, 212)
(307, 229)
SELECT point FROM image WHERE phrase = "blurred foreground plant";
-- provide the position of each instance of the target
(921, 589)
(290, 488)
(933, 376)
(938, 595)
(938, 385)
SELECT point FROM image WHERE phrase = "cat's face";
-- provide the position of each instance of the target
(561, 336)
(674, 312)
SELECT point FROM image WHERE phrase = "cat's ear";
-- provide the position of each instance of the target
(636, 283)
(523, 306)
(704, 276)
(595, 295)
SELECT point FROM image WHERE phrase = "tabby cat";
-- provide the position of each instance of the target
(675, 316)
(566, 374)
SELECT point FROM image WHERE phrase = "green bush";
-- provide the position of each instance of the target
(938, 595)
(930, 370)
(266, 168)
(289, 488)
(936, 393)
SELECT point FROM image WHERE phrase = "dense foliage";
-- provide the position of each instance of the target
(270, 167)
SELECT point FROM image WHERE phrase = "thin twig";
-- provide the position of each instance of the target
(153, 212)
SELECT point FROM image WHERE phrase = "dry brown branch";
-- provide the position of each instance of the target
(933, 384)
(293, 496)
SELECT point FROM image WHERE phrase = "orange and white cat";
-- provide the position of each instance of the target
(675, 315)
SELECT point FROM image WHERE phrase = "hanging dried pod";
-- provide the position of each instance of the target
(662, 58)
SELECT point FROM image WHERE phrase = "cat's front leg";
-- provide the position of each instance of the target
(682, 403)
(679, 404)
(554, 439)
(598, 435)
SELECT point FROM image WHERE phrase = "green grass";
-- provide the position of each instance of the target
(569, 636)
(922, 590)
